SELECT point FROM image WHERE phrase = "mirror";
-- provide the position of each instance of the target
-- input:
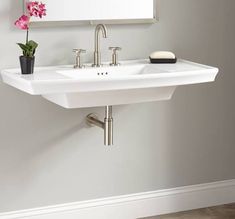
(96, 11)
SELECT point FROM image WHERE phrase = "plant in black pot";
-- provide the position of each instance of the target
(27, 59)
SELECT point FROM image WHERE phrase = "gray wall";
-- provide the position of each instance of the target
(47, 154)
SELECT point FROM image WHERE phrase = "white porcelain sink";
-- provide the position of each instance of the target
(132, 82)
(104, 72)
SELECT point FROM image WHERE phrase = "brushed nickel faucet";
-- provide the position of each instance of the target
(97, 54)
(115, 56)
(78, 63)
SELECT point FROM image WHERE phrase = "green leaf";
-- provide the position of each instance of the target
(22, 46)
(28, 48)
(33, 45)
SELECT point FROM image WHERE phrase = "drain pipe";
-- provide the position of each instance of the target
(107, 125)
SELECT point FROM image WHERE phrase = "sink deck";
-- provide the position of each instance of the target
(132, 82)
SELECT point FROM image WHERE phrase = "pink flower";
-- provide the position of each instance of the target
(36, 9)
(23, 22)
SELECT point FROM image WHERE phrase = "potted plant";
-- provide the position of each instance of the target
(27, 59)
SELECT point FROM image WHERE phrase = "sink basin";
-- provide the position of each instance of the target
(104, 72)
(133, 82)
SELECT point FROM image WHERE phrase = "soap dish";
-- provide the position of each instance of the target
(162, 61)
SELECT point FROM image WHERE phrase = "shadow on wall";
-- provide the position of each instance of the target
(3, 13)
(35, 123)
(15, 10)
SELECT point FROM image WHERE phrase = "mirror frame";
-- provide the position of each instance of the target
(95, 22)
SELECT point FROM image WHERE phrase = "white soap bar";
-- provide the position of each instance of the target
(162, 55)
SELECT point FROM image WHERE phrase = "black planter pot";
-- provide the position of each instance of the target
(27, 64)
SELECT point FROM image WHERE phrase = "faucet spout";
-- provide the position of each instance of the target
(97, 54)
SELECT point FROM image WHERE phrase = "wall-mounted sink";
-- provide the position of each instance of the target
(132, 82)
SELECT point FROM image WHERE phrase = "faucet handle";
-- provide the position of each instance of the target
(115, 55)
(115, 48)
(79, 51)
(78, 63)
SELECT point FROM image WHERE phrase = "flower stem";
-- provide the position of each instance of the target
(27, 36)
